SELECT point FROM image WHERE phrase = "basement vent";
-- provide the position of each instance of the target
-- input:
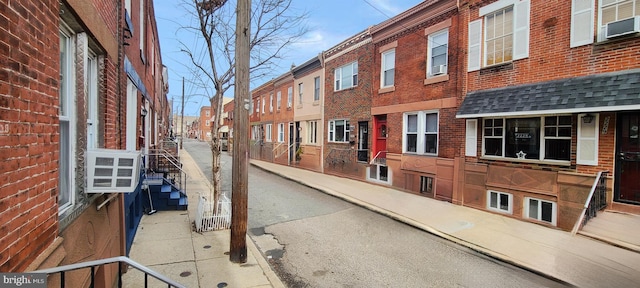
(112, 171)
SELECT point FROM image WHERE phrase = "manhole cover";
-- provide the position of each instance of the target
(206, 246)
(222, 284)
(185, 274)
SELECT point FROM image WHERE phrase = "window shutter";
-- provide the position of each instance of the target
(582, 22)
(521, 33)
(587, 150)
(475, 41)
(472, 137)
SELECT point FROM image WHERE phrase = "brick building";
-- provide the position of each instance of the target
(281, 108)
(347, 101)
(64, 94)
(205, 123)
(551, 100)
(416, 94)
(308, 90)
(261, 133)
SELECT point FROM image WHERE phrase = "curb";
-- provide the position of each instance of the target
(418, 225)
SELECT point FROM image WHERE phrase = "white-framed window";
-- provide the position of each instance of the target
(264, 103)
(258, 105)
(207, 123)
(537, 138)
(540, 210)
(278, 100)
(207, 113)
(501, 35)
(346, 76)
(316, 89)
(500, 201)
(300, 90)
(289, 97)
(281, 132)
(387, 75)
(420, 132)
(255, 132)
(66, 179)
(271, 102)
(142, 18)
(426, 184)
(437, 53)
(615, 10)
(339, 130)
(127, 6)
(312, 134)
(267, 132)
(132, 116)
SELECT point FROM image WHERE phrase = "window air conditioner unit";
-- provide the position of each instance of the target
(437, 70)
(112, 171)
(623, 27)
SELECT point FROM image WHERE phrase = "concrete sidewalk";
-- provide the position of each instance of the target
(167, 243)
(576, 260)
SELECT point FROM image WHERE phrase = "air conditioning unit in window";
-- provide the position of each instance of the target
(437, 70)
(112, 171)
(623, 27)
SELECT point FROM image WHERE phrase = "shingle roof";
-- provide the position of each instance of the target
(615, 91)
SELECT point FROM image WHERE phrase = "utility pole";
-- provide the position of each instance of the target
(182, 115)
(240, 170)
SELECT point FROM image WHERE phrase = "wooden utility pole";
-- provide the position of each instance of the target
(239, 182)
(182, 116)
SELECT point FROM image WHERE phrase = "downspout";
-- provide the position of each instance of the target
(322, 64)
(119, 35)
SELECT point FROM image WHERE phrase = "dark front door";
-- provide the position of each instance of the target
(628, 159)
(363, 141)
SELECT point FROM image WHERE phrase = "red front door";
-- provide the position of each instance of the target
(380, 134)
(628, 158)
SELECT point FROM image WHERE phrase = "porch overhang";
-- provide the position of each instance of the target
(617, 91)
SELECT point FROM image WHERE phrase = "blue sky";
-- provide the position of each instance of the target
(329, 23)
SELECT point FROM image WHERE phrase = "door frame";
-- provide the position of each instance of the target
(620, 157)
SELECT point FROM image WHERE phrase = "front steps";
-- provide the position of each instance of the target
(165, 195)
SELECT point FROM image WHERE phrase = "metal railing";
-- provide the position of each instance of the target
(380, 158)
(163, 162)
(120, 260)
(596, 201)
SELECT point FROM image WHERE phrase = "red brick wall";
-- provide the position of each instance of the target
(550, 56)
(283, 115)
(28, 130)
(353, 104)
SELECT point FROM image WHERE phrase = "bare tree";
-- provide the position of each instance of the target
(274, 27)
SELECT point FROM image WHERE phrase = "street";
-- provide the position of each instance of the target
(312, 239)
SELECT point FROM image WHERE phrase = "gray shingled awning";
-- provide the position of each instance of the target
(618, 91)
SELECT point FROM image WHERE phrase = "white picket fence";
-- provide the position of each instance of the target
(207, 221)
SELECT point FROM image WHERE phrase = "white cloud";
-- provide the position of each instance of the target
(387, 7)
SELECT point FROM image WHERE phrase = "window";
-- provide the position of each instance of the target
(142, 51)
(258, 105)
(426, 184)
(421, 133)
(346, 76)
(281, 132)
(267, 132)
(540, 210)
(506, 34)
(537, 138)
(339, 131)
(316, 89)
(437, 53)
(207, 113)
(499, 201)
(67, 88)
(615, 10)
(498, 40)
(207, 123)
(264, 103)
(271, 102)
(388, 68)
(255, 132)
(300, 87)
(557, 137)
(312, 127)
(289, 97)
(278, 100)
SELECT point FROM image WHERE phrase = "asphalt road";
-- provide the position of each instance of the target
(312, 239)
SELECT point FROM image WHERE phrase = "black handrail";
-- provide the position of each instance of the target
(120, 260)
(596, 201)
